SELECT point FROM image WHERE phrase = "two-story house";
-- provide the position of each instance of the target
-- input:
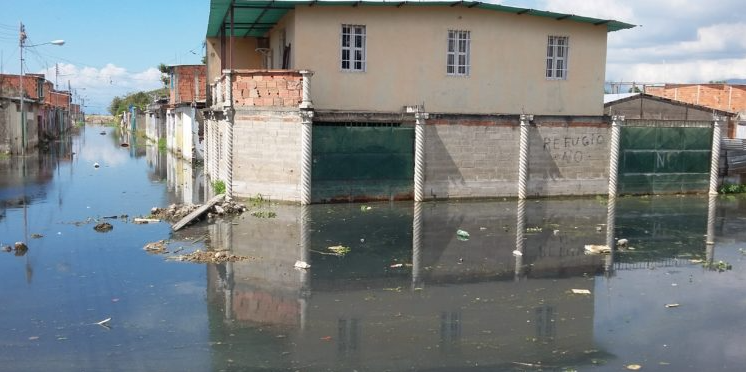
(316, 101)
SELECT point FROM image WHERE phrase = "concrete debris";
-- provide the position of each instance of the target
(156, 247)
(103, 227)
(597, 249)
(145, 220)
(303, 265)
(177, 212)
(211, 257)
(622, 243)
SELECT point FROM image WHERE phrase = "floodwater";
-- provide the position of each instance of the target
(404, 292)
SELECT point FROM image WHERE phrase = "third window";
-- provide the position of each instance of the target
(557, 48)
(459, 47)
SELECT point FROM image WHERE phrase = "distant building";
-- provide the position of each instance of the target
(48, 112)
(184, 118)
(355, 100)
(719, 96)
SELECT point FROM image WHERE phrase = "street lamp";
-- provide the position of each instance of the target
(22, 44)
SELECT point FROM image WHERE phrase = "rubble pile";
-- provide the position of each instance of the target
(176, 212)
(211, 257)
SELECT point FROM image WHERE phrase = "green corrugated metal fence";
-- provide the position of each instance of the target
(362, 162)
(664, 160)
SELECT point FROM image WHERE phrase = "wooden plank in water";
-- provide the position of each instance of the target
(197, 212)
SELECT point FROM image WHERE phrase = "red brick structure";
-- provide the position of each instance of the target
(725, 97)
(267, 88)
(188, 84)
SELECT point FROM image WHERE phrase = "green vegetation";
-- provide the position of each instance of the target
(264, 214)
(720, 266)
(165, 74)
(138, 99)
(730, 188)
(4, 155)
(218, 187)
(162, 147)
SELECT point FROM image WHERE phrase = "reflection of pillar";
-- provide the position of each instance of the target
(305, 256)
(417, 222)
(523, 157)
(717, 122)
(306, 166)
(520, 242)
(610, 230)
(419, 154)
(616, 131)
(710, 242)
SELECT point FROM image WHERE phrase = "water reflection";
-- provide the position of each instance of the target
(408, 291)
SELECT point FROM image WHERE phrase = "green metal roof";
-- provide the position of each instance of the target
(255, 18)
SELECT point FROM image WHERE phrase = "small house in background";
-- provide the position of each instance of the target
(184, 118)
(316, 101)
(717, 96)
(666, 144)
(48, 112)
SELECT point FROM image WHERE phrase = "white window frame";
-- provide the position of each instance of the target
(355, 60)
(458, 58)
(558, 53)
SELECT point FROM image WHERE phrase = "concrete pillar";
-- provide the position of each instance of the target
(717, 123)
(306, 155)
(616, 132)
(228, 86)
(417, 234)
(523, 156)
(306, 102)
(419, 155)
(229, 153)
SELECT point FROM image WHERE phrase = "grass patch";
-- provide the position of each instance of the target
(162, 147)
(218, 187)
(4, 156)
(731, 188)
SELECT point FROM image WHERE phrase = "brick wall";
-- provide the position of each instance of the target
(479, 158)
(717, 96)
(267, 88)
(267, 154)
(189, 84)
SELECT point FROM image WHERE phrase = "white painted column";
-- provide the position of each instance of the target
(717, 123)
(710, 240)
(419, 154)
(305, 256)
(616, 132)
(306, 92)
(306, 155)
(523, 156)
(229, 153)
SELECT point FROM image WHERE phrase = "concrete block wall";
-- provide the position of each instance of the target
(467, 158)
(267, 153)
(264, 88)
(568, 160)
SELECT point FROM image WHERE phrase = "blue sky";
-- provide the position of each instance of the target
(113, 47)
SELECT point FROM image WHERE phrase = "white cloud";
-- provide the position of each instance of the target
(100, 85)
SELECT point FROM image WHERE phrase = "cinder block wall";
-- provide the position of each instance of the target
(267, 154)
(467, 158)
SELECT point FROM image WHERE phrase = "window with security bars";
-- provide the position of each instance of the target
(459, 47)
(557, 50)
(353, 48)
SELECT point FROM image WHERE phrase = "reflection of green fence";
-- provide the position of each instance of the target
(359, 162)
(664, 160)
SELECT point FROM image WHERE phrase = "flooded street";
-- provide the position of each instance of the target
(399, 290)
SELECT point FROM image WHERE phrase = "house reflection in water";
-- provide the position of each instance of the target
(409, 294)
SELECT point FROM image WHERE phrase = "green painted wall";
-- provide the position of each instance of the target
(362, 162)
(664, 160)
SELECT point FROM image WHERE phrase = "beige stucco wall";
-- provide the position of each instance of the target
(245, 56)
(287, 23)
(406, 61)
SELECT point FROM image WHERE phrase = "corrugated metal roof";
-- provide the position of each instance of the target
(255, 18)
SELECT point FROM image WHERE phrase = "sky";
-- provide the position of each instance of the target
(113, 47)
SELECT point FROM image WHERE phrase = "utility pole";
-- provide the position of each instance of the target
(21, 42)
(56, 74)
